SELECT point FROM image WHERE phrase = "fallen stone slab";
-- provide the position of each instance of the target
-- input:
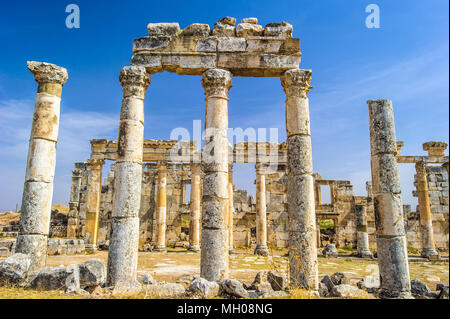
(371, 284)
(165, 290)
(14, 270)
(57, 278)
(204, 287)
(92, 273)
(277, 280)
(233, 288)
(348, 291)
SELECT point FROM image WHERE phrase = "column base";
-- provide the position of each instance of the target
(365, 254)
(430, 253)
(194, 248)
(91, 248)
(388, 294)
(261, 250)
(159, 248)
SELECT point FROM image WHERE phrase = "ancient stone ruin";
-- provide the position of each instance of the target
(143, 203)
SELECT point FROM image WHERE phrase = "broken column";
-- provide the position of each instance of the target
(362, 235)
(161, 209)
(426, 220)
(38, 188)
(73, 215)
(388, 208)
(194, 224)
(261, 218)
(123, 249)
(303, 265)
(93, 193)
(214, 243)
(230, 209)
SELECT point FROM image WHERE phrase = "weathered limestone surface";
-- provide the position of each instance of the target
(123, 250)
(38, 188)
(362, 234)
(230, 209)
(161, 207)
(426, 221)
(73, 215)
(247, 49)
(391, 241)
(303, 265)
(214, 245)
(261, 218)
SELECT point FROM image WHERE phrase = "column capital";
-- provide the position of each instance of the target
(261, 168)
(77, 172)
(96, 163)
(134, 80)
(421, 167)
(217, 82)
(162, 166)
(47, 72)
(435, 148)
(297, 82)
(196, 168)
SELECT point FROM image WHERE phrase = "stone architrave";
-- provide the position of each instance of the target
(388, 207)
(303, 266)
(40, 169)
(214, 243)
(124, 240)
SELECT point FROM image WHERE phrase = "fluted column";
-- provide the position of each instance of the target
(73, 216)
(214, 244)
(40, 171)
(261, 218)
(362, 236)
(390, 230)
(230, 209)
(426, 220)
(123, 249)
(194, 224)
(303, 265)
(93, 194)
(161, 207)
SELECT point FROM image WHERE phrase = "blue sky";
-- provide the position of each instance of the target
(406, 60)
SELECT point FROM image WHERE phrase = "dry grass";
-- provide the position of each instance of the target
(8, 218)
(61, 208)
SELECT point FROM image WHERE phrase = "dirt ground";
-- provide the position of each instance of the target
(175, 263)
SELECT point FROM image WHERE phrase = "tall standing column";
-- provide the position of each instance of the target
(123, 249)
(362, 236)
(93, 194)
(230, 209)
(40, 171)
(426, 220)
(214, 244)
(73, 216)
(261, 218)
(303, 265)
(194, 224)
(161, 209)
(388, 208)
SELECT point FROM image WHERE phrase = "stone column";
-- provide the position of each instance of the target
(261, 218)
(194, 224)
(303, 265)
(362, 236)
(390, 230)
(319, 243)
(426, 220)
(445, 165)
(38, 188)
(230, 209)
(93, 194)
(161, 207)
(214, 244)
(123, 249)
(73, 216)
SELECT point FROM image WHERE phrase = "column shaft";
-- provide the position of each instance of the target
(362, 236)
(38, 188)
(426, 220)
(230, 209)
(303, 265)
(93, 194)
(161, 208)
(261, 218)
(390, 231)
(214, 244)
(73, 216)
(194, 224)
(123, 249)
